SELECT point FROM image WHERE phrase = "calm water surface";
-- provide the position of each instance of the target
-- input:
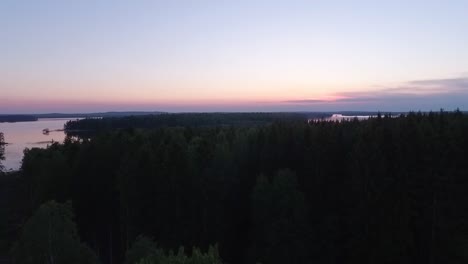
(23, 135)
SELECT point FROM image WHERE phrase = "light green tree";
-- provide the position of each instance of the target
(197, 257)
(145, 251)
(141, 248)
(50, 236)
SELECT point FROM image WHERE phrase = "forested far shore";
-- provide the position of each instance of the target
(2, 150)
(12, 118)
(17, 118)
(93, 125)
(247, 188)
(185, 120)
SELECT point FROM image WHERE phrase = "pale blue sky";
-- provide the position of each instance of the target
(84, 56)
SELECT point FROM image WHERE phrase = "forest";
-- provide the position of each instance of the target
(17, 118)
(244, 188)
(2, 149)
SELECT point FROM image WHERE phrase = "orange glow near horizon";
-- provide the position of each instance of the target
(232, 55)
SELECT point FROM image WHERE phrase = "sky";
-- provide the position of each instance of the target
(243, 55)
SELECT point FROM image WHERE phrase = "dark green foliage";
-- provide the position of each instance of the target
(143, 247)
(196, 257)
(47, 174)
(384, 190)
(50, 236)
(183, 120)
(279, 226)
(2, 150)
(17, 118)
(145, 251)
(12, 209)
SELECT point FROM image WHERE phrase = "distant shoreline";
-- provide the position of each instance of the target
(17, 118)
(14, 118)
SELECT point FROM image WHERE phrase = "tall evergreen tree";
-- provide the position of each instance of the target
(280, 224)
(2, 150)
(50, 236)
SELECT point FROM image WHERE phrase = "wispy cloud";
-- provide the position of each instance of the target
(452, 83)
(306, 101)
(411, 89)
(430, 86)
(417, 94)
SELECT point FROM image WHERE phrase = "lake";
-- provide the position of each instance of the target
(23, 135)
(341, 118)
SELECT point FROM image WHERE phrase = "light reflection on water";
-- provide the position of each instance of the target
(23, 135)
(340, 118)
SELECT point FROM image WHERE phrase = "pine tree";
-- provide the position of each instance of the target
(50, 236)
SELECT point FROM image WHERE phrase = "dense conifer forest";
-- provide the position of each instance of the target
(245, 188)
(17, 118)
(2, 147)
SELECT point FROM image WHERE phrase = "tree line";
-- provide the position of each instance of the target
(2, 150)
(17, 118)
(383, 190)
(184, 120)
